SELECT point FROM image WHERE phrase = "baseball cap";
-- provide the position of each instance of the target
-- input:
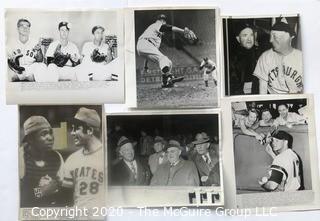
(283, 135)
(64, 23)
(162, 16)
(282, 26)
(174, 143)
(89, 116)
(201, 138)
(97, 27)
(35, 123)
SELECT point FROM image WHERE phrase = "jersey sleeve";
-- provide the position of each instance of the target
(279, 165)
(260, 70)
(165, 28)
(51, 49)
(68, 179)
(60, 173)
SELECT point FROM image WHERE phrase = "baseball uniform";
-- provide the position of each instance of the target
(209, 68)
(66, 72)
(287, 163)
(283, 73)
(99, 71)
(149, 43)
(85, 173)
(28, 59)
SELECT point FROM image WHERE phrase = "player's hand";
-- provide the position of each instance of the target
(263, 181)
(74, 57)
(259, 137)
(37, 47)
(48, 185)
(204, 179)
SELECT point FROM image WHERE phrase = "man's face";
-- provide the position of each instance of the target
(158, 147)
(246, 38)
(280, 40)
(283, 111)
(98, 34)
(266, 116)
(24, 28)
(202, 148)
(42, 139)
(80, 137)
(277, 144)
(173, 154)
(64, 32)
(127, 152)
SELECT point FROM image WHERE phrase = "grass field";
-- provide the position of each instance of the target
(184, 94)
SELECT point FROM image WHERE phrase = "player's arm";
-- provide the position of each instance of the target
(170, 28)
(202, 65)
(263, 87)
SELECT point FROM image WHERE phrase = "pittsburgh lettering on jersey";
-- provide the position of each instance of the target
(88, 172)
(289, 74)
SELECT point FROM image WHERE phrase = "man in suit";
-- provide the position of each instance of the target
(175, 172)
(160, 156)
(129, 171)
(206, 160)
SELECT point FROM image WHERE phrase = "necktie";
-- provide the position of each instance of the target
(133, 169)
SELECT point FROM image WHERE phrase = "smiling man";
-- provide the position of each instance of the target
(129, 171)
(39, 166)
(84, 169)
(175, 172)
(287, 118)
(62, 56)
(279, 69)
(285, 172)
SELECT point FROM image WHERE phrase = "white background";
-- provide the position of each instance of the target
(310, 27)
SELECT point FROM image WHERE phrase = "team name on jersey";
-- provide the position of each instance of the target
(87, 172)
(287, 71)
(29, 53)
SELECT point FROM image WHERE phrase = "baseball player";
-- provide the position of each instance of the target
(40, 167)
(209, 68)
(25, 56)
(84, 169)
(149, 43)
(97, 61)
(285, 173)
(62, 56)
(279, 69)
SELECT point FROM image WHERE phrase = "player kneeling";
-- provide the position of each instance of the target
(25, 58)
(97, 60)
(63, 56)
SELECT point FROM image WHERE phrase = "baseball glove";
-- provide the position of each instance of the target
(59, 58)
(96, 56)
(14, 64)
(189, 35)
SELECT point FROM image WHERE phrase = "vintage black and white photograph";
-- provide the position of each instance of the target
(50, 51)
(168, 154)
(61, 158)
(176, 58)
(263, 55)
(273, 144)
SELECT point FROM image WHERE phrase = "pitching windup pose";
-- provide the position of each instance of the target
(280, 68)
(62, 56)
(25, 57)
(97, 62)
(209, 68)
(149, 43)
(84, 169)
(285, 173)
